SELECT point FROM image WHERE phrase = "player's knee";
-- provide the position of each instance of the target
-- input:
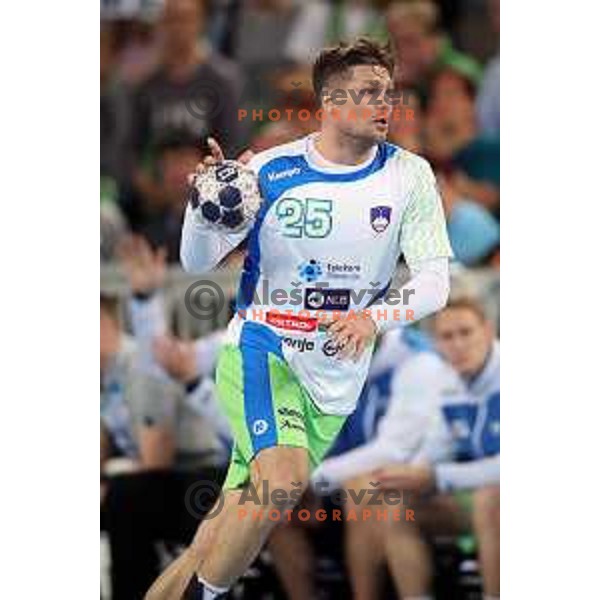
(287, 474)
(486, 507)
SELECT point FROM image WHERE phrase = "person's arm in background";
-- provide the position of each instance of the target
(154, 413)
(470, 475)
(145, 270)
(401, 431)
(193, 365)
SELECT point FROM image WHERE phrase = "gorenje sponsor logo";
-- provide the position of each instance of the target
(299, 344)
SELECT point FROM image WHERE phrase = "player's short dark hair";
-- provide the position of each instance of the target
(339, 59)
(466, 303)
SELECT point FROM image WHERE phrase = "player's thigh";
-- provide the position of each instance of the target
(264, 404)
(322, 430)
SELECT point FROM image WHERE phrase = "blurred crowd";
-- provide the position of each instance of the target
(175, 71)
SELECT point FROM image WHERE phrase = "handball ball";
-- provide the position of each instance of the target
(226, 196)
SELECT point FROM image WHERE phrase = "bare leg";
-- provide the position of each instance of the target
(225, 545)
(486, 522)
(364, 546)
(407, 551)
(294, 561)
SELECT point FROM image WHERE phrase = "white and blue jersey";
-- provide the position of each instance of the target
(328, 238)
(463, 436)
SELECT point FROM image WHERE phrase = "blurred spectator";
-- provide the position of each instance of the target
(453, 143)
(394, 351)
(113, 107)
(194, 91)
(453, 405)
(421, 45)
(320, 24)
(407, 130)
(191, 363)
(164, 431)
(262, 31)
(294, 92)
(176, 156)
(474, 233)
(488, 98)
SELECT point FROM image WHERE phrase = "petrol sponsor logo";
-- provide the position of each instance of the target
(291, 322)
(299, 344)
(327, 299)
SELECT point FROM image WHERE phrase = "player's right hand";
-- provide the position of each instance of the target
(216, 156)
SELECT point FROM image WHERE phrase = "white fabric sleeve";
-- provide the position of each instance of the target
(207, 352)
(468, 475)
(336, 470)
(202, 248)
(401, 431)
(148, 316)
(203, 401)
(147, 322)
(426, 292)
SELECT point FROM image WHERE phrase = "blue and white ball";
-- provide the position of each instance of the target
(226, 196)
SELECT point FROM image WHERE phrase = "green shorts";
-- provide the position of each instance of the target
(266, 405)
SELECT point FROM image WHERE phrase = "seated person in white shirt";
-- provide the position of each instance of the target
(439, 442)
(455, 474)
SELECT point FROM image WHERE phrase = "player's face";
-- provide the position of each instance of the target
(463, 339)
(361, 109)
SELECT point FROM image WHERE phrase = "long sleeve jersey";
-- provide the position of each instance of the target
(327, 240)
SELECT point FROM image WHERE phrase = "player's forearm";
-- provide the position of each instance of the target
(426, 293)
(468, 475)
(202, 248)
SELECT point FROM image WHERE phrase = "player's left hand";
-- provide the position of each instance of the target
(353, 335)
(418, 478)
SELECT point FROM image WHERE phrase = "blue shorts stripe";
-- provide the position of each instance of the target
(255, 344)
